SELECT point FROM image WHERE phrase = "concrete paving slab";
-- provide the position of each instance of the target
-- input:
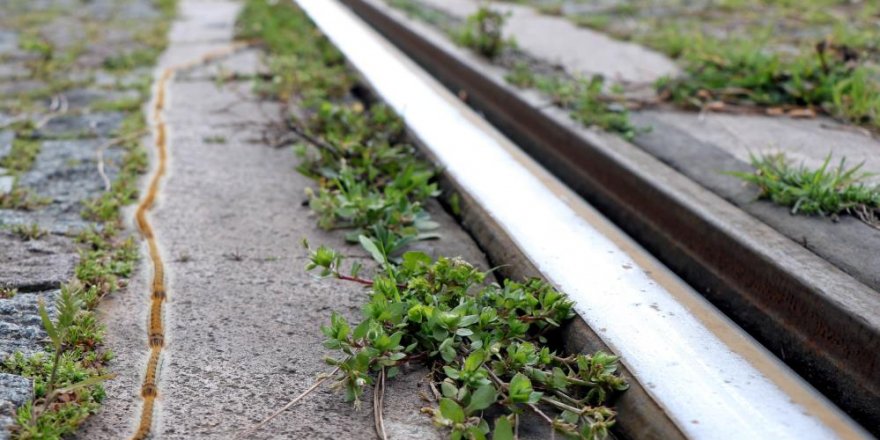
(242, 316)
(559, 41)
(246, 63)
(808, 141)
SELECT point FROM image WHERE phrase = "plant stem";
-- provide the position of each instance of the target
(546, 418)
(354, 279)
(50, 386)
(305, 393)
(378, 404)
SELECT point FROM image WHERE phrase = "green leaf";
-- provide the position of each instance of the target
(371, 247)
(361, 330)
(451, 410)
(503, 429)
(474, 361)
(520, 389)
(412, 259)
(448, 389)
(474, 433)
(468, 320)
(85, 383)
(47, 324)
(482, 398)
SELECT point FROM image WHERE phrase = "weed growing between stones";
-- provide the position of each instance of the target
(824, 191)
(22, 155)
(29, 232)
(742, 72)
(783, 56)
(485, 342)
(64, 382)
(483, 32)
(369, 180)
(7, 292)
(22, 199)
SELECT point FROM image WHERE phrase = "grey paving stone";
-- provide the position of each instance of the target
(79, 99)
(15, 391)
(101, 124)
(6, 184)
(13, 70)
(6, 138)
(66, 172)
(37, 264)
(137, 10)
(21, 329)
(13, 89)
(64, 32)
(8, 41)
(124, 80)
(71, 163)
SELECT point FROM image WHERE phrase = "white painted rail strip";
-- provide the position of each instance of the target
(713, 380)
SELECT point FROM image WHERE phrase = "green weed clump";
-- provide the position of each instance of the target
(823, 191)
(66, 384)
(369, 178)
(483, 32)
(29, 232)
(744, 72)
(484, 342)
(586, 100)
(311, 72)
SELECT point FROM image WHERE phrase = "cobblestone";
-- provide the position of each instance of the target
(55, 88)
(37, 264)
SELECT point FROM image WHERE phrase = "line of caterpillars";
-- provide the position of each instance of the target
(156, 326)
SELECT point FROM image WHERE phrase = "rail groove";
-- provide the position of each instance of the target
(158, 288)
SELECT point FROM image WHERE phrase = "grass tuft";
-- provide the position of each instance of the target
(483, 32)
(822, 191)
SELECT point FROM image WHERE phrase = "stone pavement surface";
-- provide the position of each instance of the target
(243, 317)
(58, 95)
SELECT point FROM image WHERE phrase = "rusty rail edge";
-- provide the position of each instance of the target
(819, 320)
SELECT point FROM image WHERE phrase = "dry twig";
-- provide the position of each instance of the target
(251, 430)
